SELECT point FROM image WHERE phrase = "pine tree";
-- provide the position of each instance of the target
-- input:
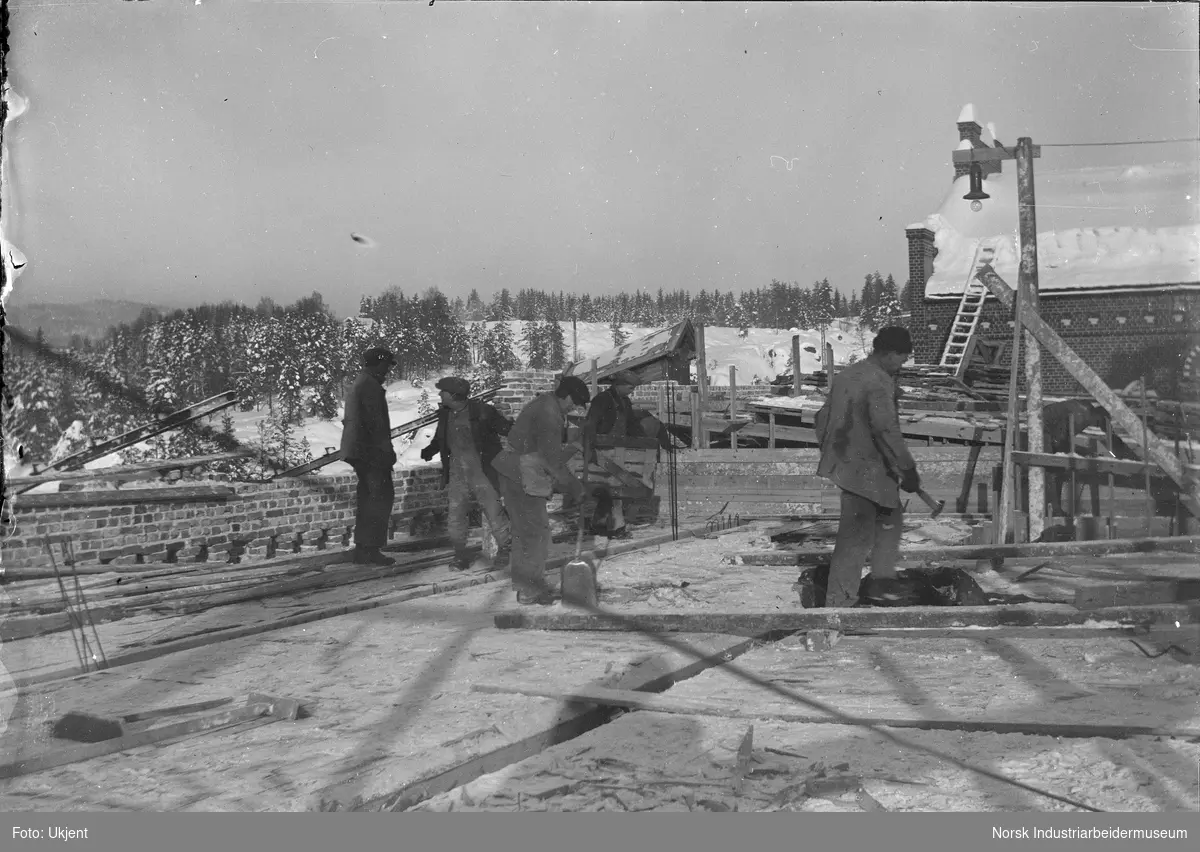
(534, 342)
(619, 335)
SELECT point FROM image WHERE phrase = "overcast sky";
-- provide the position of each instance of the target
(179, 153)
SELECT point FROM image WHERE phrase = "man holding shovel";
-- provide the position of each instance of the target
(864, 453)
(531, 470)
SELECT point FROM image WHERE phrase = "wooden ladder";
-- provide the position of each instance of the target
(956, 356)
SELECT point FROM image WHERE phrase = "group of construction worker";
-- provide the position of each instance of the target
(512, 485)
(863, 452)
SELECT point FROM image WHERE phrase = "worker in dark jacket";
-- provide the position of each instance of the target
(367, 446)
(612, 414)
(468, 439)
(532, 468)
(864, 453)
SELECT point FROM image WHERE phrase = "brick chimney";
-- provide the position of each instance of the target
(969, 130)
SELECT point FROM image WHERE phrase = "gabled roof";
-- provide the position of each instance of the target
(639, 352)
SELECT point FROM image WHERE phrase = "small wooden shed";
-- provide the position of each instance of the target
(661, 356)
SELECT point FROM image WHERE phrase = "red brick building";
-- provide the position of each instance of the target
(1118, 264)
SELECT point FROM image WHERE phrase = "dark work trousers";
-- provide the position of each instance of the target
(467, 481)
(376, 494)
(865, 529)
(530, 526)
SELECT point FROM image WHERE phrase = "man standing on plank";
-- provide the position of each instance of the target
(531, 470)
(367, 446)
(864, 453)
(468, 439)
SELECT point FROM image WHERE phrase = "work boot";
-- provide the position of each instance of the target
(503, 553)
(462, 561)
(372, 556)
(534, 599)
(619, 534)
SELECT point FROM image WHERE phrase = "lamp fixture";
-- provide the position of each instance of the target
(976, 195)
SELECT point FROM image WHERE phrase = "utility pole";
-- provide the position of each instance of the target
(1027, 287)
(1027, 300)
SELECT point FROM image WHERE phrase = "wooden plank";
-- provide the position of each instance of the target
(204, 638)
(735, 496)
(764, 624)
(339, 797)
(759, 482)
(130, 471)
(1136, 594)
(1148, 446)
(632, 700)
(990, 155)
(90, 751)
(1062, 549)
(1088, 464)
(173, 494)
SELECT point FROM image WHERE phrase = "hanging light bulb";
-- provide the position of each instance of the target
(976, 195)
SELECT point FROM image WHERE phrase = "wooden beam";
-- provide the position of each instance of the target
(1100, 547)
(140, 470)
(701, 383)
(170, 494)
(1093, 464)
(61, 757)
(632, 700)
(991, 155)
(1151, 448)
(763, 624)
(796, 377)
(1134, 594)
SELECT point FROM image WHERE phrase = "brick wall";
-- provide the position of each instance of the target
(1119, 335)
(256, 519)
(521, 386)
(247, 521)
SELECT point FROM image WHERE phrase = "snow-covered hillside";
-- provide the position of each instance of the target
(759, 357)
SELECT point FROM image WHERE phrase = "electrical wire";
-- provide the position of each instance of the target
(1106, 144)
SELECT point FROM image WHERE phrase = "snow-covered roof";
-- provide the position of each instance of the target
(1100, 229)
(637, 352)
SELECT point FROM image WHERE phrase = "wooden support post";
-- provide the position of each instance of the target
(1149, 447)
(1146, 469)
(594, 382)
(968, 477)
(1027, 281)
(732, 403)
(701, 386)
(795, 365)
(662, 404)
(827, 363)
(1112, 497)
(771, 430)
(1058, 480)
(696, 415)
(1012, 433)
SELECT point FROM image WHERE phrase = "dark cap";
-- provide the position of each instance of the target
(893, 338)
(455, 385)
(378, 355)
(574, 387)
(625, 377)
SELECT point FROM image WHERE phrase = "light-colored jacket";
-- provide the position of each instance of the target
(862, 447)
(537, 456)
(366, 427)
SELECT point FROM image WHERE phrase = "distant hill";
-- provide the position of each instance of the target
(60, 322)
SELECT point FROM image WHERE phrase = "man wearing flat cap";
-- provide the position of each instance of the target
(367, 446)
(864, 453)
(612, 415)
(532, 468)
(468, 440)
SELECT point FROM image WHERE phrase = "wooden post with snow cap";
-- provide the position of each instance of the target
(1027, 283)
(795, 365)
(732, 404)
(701, 386)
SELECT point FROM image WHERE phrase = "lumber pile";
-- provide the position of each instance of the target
(38, 607)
